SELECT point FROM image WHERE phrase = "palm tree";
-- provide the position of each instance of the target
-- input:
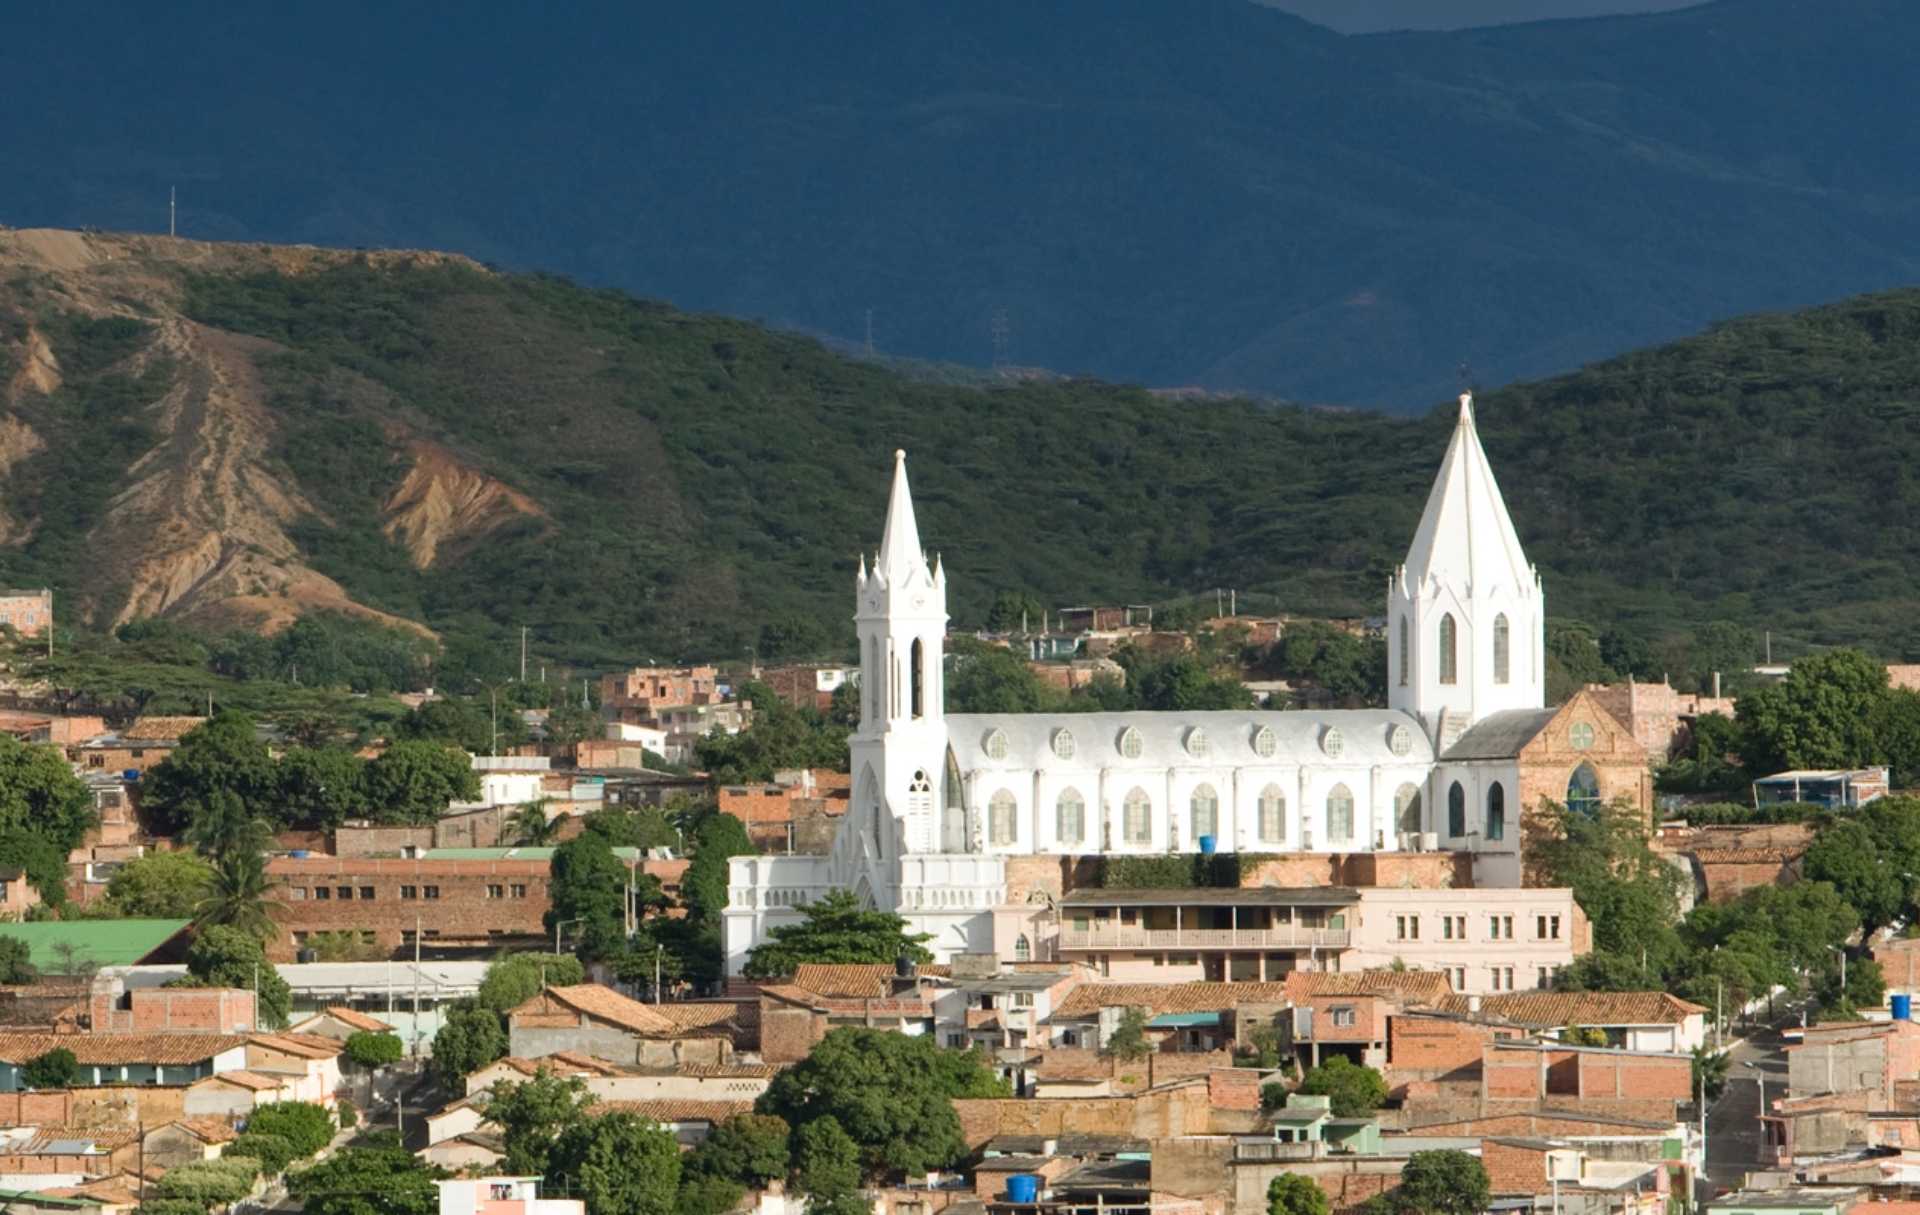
(530, 827)
(237, 896)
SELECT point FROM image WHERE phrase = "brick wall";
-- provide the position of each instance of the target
(381, 841)
(37, 1109)
(1430, 1047)
(471, 902)
(787, 1033)
(223, 1010)
(1514, 1169)
(1634, 1076)
(1158, 1115)
(1234, 1088)
(1727, 880)
(30, 614)
(1899, 961)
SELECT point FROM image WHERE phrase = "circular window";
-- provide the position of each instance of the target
(1332, 743)
(1197, 744)
(1129, 743)
(1581, 735)
(995, 744)
(1063, 744)
(1399, 740)
(1264, 743)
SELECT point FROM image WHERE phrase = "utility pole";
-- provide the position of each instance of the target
(657, 950)
(493, 703)
(416, 995)
(173, 195)
(523, 653)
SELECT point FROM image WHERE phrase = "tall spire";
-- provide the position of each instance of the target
(1466, 538)
(900, 550)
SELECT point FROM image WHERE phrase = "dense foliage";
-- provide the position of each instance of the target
(305, 1126)
(1356, 1090)
(470, 1037)
(836, 928)
(367, 1049)
(56, 1068)
(376, 1176)
(617, 1162)
(225, 956)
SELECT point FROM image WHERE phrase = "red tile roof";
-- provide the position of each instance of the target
(304, 1046)
(1162, 998)
(358, 1020)
(565, 1005)
(246, 1079)
(1416, 987)
(106, 1050)
(852, 980)
(207, 1130)
(675, 1109)
(1074, 1065)
(1551, 1009)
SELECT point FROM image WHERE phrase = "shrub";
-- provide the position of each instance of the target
(55, 1069)
(307, 1127)
(374, 1050)
(272, 1151)
(172, 1206)
(211, 1182)
(349, 1116)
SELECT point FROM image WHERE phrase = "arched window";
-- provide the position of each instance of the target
(1002, 811)
(1456, 811)
(1273, 815)
(867, 806)
(1406, 808)
(1070, 817)
(1406, 650)
(1496, 812)
(1500, 658)
(917, 659)
(1340, 815)
(1206, 813)
(1022, 949)
(1136, 823)
(871, 681)
(1449, 658)
(1583, 790)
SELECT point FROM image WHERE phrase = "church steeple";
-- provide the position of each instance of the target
(900, 554)
(1466, 618)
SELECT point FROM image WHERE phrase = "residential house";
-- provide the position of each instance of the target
(308, 1065)
(1790, 1200)
(1660, 718)
(1648, 1021)
(599, 1021)
(793, 1016)
(1524, 1168)
(502, 1196)
(187, 1140)
(1182, 1017)
(807, 685)
(690, 1120)
(48, 1156)
(566, 1064)
(138, 1058)
(339, 1023)
(473, 1150)
(796, 812)
(144, 743)
(1853, 1057)
(115, 1008)
(27, 613)
(1605, 1080)
(1830, 787)
(999, 1009)
(17, 894)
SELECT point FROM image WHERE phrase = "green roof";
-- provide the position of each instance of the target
(1183, 1020)
(102, 942)
(509, 854)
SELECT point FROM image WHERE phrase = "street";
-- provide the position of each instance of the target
(1733, 1128)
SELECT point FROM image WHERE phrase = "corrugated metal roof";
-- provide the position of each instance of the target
(1501, 735)
(102, 942)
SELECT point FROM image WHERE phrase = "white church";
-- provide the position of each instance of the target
(942, 802)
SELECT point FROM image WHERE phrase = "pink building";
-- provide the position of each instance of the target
(29, 613)
(502, 1196)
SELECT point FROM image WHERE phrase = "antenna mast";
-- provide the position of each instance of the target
(172, 199)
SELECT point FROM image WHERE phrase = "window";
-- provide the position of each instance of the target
(1543, 979)
(1500, 664)
(995, 744)
(1502, 978)
(409, 892)
(300, 938)
(1264, 743)
(1453, 928)
(1548, 927)
(519, 890)
(1063, 744)
(956, 1041)
(1406, 809)
(1022, 950)
(431, 892)
(322, 893)
(1340, 814)
(1400, 741)
(1500, 927)
(1496, 812)
(1000, 817)
(1198, 745)
(1343, 1017)
(1206, 812)
(1457, 977)
(1333, 743)
(346, 892)
(1129, 743)
(1273, 815)
(1070, 817)
(1580, 735)
(1406, 648)
(496, 892)
(1449, 658)
(297, 893)
(1135, 817)
(1456, 811)
(1583, 791)
(1406, 928)
(918, 657)
(366, 892)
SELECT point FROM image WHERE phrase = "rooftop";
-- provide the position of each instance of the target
(1501, 735)
(1217, 896)
(1288, 738)
(1161, 998)
(108, 1050)
(100, 942)
(1552, 1009)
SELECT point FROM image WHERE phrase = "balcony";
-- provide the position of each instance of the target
(1127, 936)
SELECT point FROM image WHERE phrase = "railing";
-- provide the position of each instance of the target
(1274, 1149)
(1117, 936)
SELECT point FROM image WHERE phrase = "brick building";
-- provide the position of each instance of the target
(807, 685)
(1660, 719)
(28, 613)
(640, 694)
(797, 812)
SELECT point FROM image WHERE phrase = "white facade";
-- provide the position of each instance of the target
(939, 801)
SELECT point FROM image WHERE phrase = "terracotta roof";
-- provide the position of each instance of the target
(565, 1005)
(726, 1071)
(1550, 1009)
(703, 1015)
(1074, 1065)
(99, 1138)
(358, 1020)
(306, 1046)
(854, 980)
(246, 1079)
(111, 1049)
(675, 1109)
(1162, 998)
(207, 1130)
(563, 1063)
(1745, 856)
(107, 1191)
(149, 728)
(1414, 986)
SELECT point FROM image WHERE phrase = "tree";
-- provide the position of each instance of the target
(533, 1115)
(272, 1151)
(55, 1069)
(702, 1194)
(227, 956)
(1293, 1194)
(1845, 854)
(320, 787)
(1583, 1035)
(1357, 1090)
(469, 1038)
(466, 724)
(379, 1178)
(826, 1159)
(237, 896)
(39, 793)
(224, 755)
(641, 827)
(1710, 1068)
(1629, 892)
(372, 1050)
(161, 885)
(1129, 1040)
(43, 860)
(837, 928)
(1820, 716)
(514, 978)
(305, 1126)
(620, 1164)
(221, 824)
(750, 1149)
(587, 893)
(16, 962)
(530, 827)
(413, 781)
(1445, 1182)
(569, 725)
(1013, 610)
(717, 838)
(891, 1093)
(987, 678)
(781, 736)
(1182, 683)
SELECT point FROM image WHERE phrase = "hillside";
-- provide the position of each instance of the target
(234, 435)
(1206, 192)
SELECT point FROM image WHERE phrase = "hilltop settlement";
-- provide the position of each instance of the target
(1100, 908)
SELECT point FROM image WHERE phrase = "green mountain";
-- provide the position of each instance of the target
(241, 434)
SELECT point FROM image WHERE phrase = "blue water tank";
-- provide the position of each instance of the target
(1023, 1187)
(299, 854)
(1902, 1006)
(1206, 845)
(130, 774)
